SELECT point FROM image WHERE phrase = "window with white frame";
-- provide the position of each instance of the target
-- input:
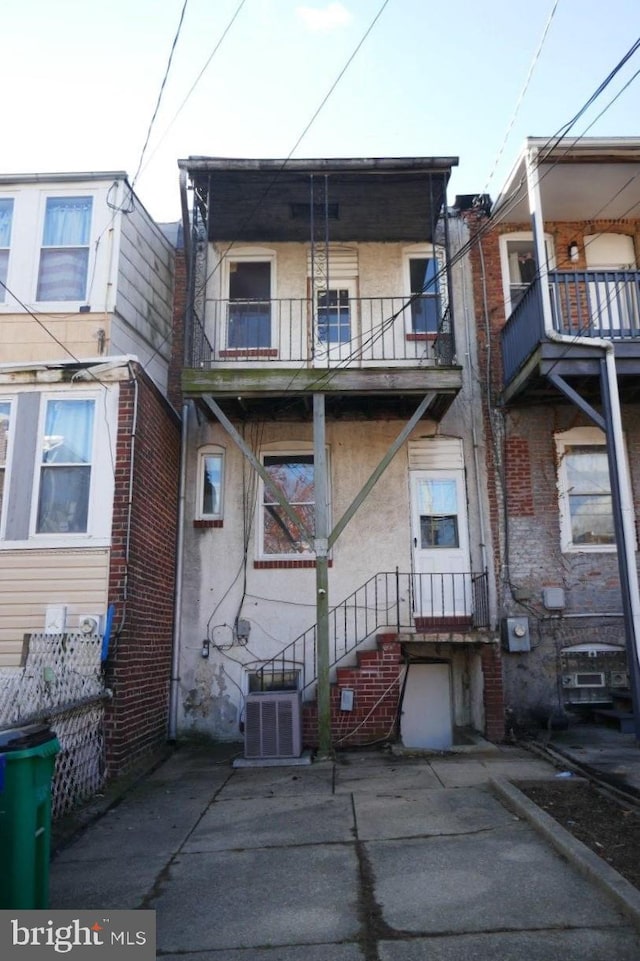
(6, 218)
(64, 256)
(293, 475)
(520, 265)
(210, 486)
(586, 514)
(425, 283)
(5, 429)
(66, 458)
(250, 284)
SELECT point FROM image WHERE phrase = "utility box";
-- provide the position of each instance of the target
(515, 634)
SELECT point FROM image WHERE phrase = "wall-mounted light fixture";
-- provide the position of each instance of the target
(573, 251)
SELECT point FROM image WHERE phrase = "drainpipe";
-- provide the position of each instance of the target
(624, 515)
(177, 615)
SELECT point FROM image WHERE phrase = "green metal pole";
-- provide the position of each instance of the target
(322, 575)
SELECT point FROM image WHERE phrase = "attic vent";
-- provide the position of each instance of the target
(273, 725)
(320, 212)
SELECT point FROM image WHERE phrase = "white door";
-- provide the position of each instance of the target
(426, 708)
(334, 324)
(441, 562)
(613, 304)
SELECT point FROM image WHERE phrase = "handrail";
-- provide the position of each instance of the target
(366, 330)
(389, 599)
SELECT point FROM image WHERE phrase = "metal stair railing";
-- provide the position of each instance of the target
(387, 600)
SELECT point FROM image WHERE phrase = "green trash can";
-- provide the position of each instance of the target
(27, 759)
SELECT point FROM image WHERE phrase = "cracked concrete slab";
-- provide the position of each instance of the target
(278, 782)
(593, 944)
(434, 812)
(253, 899)
(301, 952)
(79, 885)
(503, 880)
(377, 779)
(269, 822)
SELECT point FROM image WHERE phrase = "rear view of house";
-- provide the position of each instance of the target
(334, 570)
(88, 465)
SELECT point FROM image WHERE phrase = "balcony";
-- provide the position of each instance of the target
(598, 304)
(371, 345)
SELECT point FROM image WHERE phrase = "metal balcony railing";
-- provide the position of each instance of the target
(585, 303)
(391, 600)
(362, 331)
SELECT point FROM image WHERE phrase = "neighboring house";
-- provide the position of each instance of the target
(334, 494)
(557, 291)
(89, 453)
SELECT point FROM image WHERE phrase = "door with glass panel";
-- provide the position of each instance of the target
(441, 563)
(335, 324)
(249, 308)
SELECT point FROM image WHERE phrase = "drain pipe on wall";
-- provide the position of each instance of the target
(177, 616)
(615, 442)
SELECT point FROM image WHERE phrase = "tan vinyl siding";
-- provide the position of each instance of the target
(25, 339)
(30, 580)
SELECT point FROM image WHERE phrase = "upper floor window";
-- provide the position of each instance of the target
(210, 489)
(586, 513)
(425, 284)
(5, 427)
(519, 265)
(6, 217)
(64, 257)
(249, 322)
(65, 471)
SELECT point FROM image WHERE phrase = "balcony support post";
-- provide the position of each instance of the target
(321, 542)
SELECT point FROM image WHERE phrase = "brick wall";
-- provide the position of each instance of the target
(142, 585)
(522, 469)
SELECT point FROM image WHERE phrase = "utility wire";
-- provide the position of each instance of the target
(525, 87)
(161, 91)
(195, 82)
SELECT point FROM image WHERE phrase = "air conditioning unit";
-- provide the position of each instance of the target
(619, 679)
(273, 725)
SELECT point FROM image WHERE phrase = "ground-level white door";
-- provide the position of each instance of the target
(441, 562)
(426, 720)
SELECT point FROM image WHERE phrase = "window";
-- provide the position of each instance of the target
(6, 217)
(65, 471)
(425, 287)
(210, 483)
(5, 425)
(249, 323)
(438, 509)
(64, 258)
(519, 265)
(334, 316)
(293, 475)
(586, 515)
(423, 278)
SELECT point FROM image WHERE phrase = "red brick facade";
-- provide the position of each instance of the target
(142, 573)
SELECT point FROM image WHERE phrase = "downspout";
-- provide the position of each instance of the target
(623, 480)
(174, 688)
(177, 614)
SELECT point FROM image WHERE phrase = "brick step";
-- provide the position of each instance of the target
(375, 698)
(622, 719)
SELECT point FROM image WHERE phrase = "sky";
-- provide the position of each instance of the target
(81, 80)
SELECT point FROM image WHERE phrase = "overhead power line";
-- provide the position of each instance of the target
(161, 91)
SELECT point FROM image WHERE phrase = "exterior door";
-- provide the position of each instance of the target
(334, 323)
(426, 720)
(613, 304)
(441, 562)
